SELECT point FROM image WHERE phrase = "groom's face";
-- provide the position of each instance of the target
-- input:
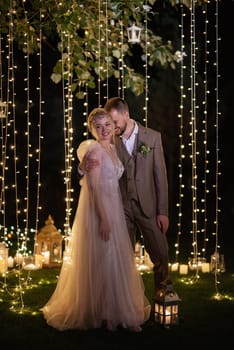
(120, 120)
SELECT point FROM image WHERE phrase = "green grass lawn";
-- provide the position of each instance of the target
(204, 321)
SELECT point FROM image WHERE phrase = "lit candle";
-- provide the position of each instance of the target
(30, 267)
(137, 249)
(19, 258)
(143, 267)
(205, 267)
(46, 257)
(174, 267)
(10, 261)
(134, 35)
(3, 266)
(167, 315)
(183, 269)
(56, 251)
(148, 261)
(38, 260)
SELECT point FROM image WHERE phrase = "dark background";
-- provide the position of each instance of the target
(163, 108)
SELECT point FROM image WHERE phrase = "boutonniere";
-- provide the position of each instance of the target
(144, 149)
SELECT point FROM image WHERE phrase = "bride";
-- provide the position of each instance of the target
(99, 285)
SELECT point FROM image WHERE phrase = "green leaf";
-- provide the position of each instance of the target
(80, 95)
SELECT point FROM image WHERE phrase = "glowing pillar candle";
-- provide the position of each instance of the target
(10, 261)
(174, 267)
(18, 258)
(46, 257)
(183, 269)
(205, 267)
(38, 260)
(3, 266)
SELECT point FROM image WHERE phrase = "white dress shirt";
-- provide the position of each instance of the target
(129, 142)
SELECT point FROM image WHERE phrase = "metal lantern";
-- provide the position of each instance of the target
(166, 306)
(3, 109)
(49, 244)
(134, 34)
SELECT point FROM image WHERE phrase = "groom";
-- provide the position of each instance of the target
(143, 185)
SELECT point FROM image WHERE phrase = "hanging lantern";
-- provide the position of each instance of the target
(3, 109)
(49, 244)
(166, 307)
(134, 34)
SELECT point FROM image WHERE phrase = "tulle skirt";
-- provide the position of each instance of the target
(98, 282)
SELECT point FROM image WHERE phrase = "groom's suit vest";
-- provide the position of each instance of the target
(129, 162)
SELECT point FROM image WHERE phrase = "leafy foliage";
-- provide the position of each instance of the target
(91, 36)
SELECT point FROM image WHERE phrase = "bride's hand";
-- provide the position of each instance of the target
(104, 230)
(88, 164)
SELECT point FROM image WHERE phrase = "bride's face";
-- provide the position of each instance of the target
(103, 128)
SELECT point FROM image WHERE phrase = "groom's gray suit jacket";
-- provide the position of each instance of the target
(145, 176)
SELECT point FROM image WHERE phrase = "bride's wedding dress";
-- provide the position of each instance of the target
(98, 282)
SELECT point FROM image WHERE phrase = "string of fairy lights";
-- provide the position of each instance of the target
(99, 54)
(199, 183)
(217, 156)
(40, 136)
(68, 130)
(9, 136)
(205, 137)
(181, 144)
(28, 135)
(193, 133)
(120, 79)
(146, 56)
(107, 29)
(203, 180)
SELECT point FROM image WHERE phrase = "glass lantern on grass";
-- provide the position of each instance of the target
(49, 244)
(166, 306)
